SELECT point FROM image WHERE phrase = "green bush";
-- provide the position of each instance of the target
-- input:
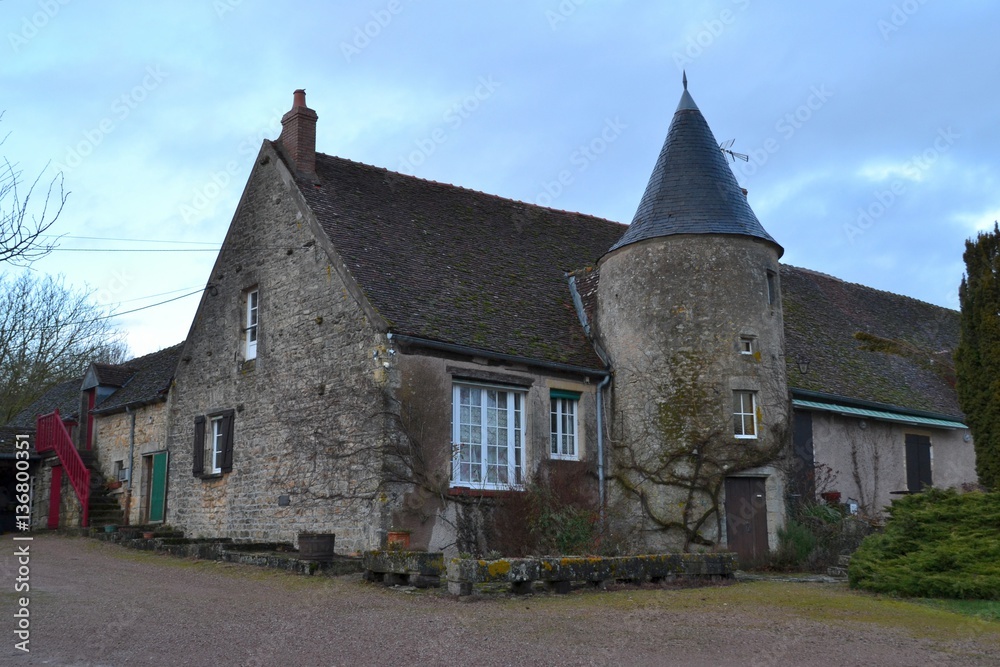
(939, 544)
(795, 543)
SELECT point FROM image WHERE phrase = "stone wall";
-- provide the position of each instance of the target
(671, 313)
(867, 458)
(69, 507)
(309, 412)
(111, 444)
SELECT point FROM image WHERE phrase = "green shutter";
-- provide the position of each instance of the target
(563, 393)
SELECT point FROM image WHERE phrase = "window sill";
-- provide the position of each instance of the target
(473, 492)
(745, 437)
(210, 476)
(563, 457)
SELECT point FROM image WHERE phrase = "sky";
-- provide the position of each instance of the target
(869, 125)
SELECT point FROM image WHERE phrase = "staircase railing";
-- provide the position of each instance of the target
(51, 434)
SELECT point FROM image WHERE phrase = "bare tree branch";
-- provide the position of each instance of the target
(48, 334)
(22, 224)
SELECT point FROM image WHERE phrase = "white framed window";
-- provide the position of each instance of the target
(251, 324)
(745, 414)
(746, 345)
(564, 408)
(216, 445)
(487, 436)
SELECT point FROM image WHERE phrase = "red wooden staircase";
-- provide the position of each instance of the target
(51, 435)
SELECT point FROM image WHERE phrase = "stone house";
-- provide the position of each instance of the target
(377, 352)
(122, 432)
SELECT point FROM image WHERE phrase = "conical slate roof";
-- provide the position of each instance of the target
(692, 189)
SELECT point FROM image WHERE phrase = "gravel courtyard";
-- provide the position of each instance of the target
(93, 603)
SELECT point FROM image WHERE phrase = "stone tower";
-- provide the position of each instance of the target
(689, 314)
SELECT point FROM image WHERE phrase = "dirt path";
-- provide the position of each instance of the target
(97, 604)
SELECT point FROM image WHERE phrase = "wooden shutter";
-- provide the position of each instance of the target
(199, 445)
(918, 462)
(227, 441)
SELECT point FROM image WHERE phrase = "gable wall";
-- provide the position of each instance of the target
(307, 412)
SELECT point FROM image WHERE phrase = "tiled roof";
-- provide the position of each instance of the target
(8, 439)
(65, 396)
(458, 266)
(150, 378)
(692, 190)
(867, 344)
(110, 375)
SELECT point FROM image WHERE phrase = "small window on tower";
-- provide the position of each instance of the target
(772, 287)
(746, 345)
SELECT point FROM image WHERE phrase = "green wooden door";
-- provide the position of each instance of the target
(158, 487)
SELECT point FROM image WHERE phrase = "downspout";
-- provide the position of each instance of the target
(131, 452)
(600, 445)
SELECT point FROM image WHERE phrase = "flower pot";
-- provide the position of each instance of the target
(148, 535)
(110, 528)
(398, 539)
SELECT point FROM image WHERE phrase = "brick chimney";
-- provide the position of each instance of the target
(298, 134)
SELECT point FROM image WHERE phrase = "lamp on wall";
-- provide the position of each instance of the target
(803, 365)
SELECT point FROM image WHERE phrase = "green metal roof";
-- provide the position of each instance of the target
(898, 417)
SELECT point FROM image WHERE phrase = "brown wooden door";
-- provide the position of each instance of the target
(746, 517)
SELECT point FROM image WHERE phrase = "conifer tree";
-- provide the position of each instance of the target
(977, 360)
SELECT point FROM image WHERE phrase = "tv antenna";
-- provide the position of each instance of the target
(727, 148)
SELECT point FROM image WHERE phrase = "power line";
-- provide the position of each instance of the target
(108, 238)
(152, 305)
(54, 249)
(153, 296)
(127, 312)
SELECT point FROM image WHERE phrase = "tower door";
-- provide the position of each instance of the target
(746, 517)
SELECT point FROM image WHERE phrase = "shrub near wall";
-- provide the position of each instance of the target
(936, 544)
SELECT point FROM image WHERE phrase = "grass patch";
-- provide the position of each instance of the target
(936, 544)
(986, 610)
(768, 602)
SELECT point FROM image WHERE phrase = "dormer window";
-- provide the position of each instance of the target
(252, 322)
